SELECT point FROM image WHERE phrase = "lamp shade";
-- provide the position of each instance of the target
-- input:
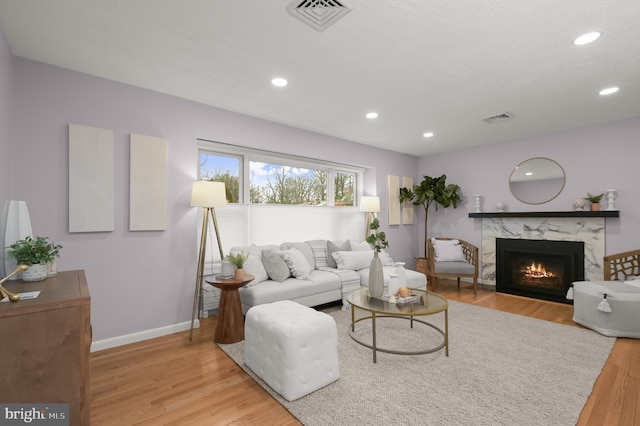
(208, 194)
(370, 204)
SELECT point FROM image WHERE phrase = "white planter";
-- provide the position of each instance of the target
(37, 272)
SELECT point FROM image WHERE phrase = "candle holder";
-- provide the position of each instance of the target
(611, 195)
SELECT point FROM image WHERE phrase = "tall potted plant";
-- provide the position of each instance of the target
(432, 190)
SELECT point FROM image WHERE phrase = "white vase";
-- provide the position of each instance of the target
(393, 286)
(37, 272)
(402, 274)
(376, 277)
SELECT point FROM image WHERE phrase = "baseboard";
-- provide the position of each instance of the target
(142, 335)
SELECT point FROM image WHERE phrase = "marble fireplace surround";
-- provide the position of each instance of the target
(588, 227)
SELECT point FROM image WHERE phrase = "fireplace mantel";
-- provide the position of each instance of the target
(601, 213)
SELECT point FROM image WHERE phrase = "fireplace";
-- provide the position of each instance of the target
(543, 269)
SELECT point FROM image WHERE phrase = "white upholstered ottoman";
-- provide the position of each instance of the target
(623, 300)
(293, 348)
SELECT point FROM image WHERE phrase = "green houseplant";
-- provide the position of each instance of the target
(36, 254)
(594, 200)
(238, 261)
(432, 190)
(377, 239)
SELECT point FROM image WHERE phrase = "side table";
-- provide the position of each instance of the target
(230, 321)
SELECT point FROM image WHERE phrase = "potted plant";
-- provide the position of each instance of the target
(36, 255)
(594, 200)
(431, 190)
(238, 260)
(376, 276)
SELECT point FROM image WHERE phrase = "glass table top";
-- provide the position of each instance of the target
(429, 303)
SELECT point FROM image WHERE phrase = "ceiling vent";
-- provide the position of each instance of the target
(498, 118)
(319, 14)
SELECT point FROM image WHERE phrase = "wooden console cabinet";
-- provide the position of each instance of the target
(45, 345)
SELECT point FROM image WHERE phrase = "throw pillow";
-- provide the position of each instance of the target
(297, 263)
(253, 266)
(304, 248)
(437, 242)
(334, 247)
(359, 246)
(353, 260)
(449, 253)
(275, 265)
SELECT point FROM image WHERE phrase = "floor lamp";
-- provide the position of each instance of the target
(370, 205)
(208, 195)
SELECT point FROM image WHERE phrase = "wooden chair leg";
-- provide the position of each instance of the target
(458, 283)
(475, 286)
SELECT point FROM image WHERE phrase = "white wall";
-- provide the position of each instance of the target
(594, 159)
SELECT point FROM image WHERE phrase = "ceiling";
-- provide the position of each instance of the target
(423, 65)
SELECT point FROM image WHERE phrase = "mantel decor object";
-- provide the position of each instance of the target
(611, 196)
(478, 209)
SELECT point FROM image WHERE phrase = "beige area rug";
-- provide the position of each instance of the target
(502, 369)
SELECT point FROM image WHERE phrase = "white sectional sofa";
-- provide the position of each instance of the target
(311, 273)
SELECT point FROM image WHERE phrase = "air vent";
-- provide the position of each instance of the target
(498, 118)
(319, 14)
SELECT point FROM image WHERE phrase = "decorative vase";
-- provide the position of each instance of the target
(376, 277)
(393, 286)
(238, 275)
(37, 272)
(402, 274)
(595, 207)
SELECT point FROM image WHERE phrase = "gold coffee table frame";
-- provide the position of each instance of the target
(430, 304)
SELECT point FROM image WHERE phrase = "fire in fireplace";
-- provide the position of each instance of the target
(543, 269)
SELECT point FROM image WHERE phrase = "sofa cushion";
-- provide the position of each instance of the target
(333, 247)
(319, 249)
(304, 248)
(291, 289)
(454, 268)
(274, 264)
(297, 263)
(353, 260)
(414, 279)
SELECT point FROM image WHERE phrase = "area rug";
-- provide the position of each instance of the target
(502, 369)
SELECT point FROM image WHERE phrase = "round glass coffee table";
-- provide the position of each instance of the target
(429, 304)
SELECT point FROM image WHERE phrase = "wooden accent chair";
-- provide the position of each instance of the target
(467, 268)
(619, 266)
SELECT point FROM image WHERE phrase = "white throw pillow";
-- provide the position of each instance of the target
(253, 266)
(437, 242)
(297, 263)
(359, 246)
(353, 260)
(449, 253)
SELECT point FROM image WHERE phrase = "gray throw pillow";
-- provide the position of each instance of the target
(275, 265)
(332, 248)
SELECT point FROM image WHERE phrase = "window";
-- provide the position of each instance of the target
(222, 168)
(259, 177)
(266, 190)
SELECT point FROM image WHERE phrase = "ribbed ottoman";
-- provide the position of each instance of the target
(291, 347)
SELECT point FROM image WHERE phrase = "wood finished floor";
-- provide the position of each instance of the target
(172, 381)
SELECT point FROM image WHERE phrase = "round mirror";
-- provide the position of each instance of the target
(537, 180)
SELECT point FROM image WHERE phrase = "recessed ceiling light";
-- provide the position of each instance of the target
(279, 82)
(609, 90)
(586, 38)
(427, 134)
(372, 115)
